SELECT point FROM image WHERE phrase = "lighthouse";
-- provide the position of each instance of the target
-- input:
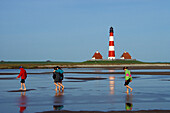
(111, 45)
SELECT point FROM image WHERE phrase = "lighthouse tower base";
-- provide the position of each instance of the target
(111, 58)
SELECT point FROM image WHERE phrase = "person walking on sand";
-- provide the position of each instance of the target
(58, 77)
(23, 75)
(128, 79)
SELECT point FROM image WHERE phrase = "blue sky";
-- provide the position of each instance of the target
(72, 30)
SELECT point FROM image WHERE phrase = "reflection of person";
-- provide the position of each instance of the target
(22, 103)
(57, 107)
(23, 75)
(128, 79)
(129, 104)
(58, 99)
(58, 77)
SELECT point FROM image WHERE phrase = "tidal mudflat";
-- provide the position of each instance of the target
(83, 92)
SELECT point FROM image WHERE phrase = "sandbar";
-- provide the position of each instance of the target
(141, 111)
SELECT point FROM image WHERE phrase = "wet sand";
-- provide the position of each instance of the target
(27, 73)
(8, 78)
(165, 79)
(21, 90)
(134, 73)
(114, 66)
(111, 67)
(141, 111)
(86, 92)
(89, 78)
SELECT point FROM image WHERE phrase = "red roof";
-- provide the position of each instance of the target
(126, 55)
(97, 55)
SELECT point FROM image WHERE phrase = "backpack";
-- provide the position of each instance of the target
(61, 76)
(56, 76)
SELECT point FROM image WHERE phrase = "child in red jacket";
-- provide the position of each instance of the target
(23, 75)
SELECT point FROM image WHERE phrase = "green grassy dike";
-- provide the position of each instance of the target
(31, 65)
(114, 62)
(45, 64)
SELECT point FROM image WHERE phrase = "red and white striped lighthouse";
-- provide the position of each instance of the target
(111, 44)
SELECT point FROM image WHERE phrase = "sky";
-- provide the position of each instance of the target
(73, 30)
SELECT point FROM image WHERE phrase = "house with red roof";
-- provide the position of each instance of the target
(126, 55)
(97, 55)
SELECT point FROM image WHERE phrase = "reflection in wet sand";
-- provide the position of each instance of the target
(58, 107)
(58, 100)
(87, 78)
(111, 70)
(128, 103)
(97, 70)
(22, 102)
(112, 84)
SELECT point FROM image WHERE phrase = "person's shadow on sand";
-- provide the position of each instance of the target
(22, 102)
(58, 100)
(128, 103)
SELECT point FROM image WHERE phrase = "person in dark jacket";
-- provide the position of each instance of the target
(58, 77)
(23, 75)
(56, 80)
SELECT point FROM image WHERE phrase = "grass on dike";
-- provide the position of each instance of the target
(32, 65)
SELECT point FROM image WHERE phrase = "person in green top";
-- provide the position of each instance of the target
(128, 79)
